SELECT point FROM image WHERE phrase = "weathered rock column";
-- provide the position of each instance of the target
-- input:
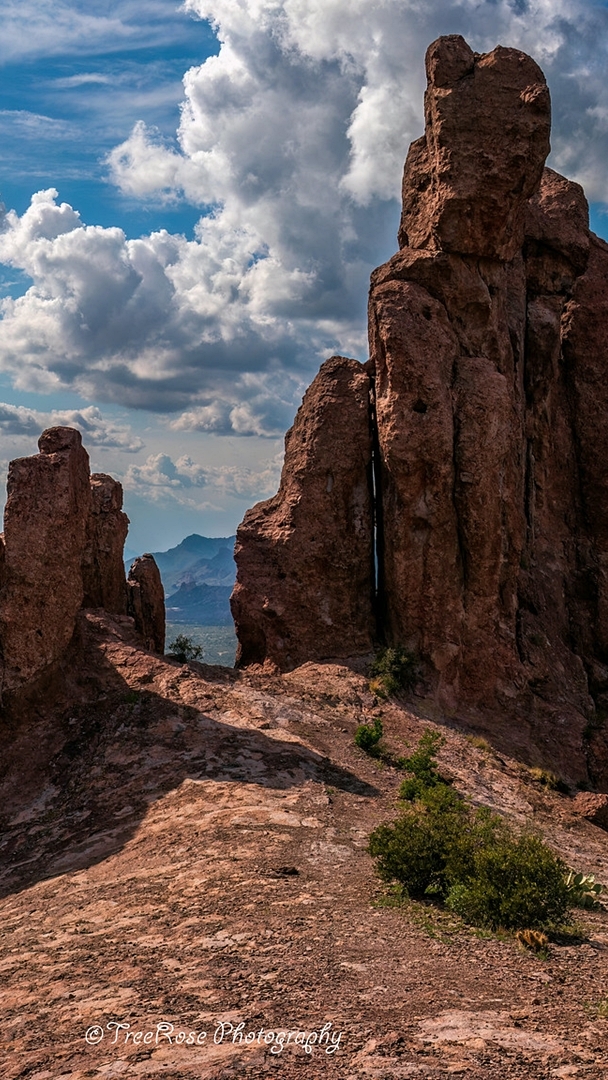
(304, 587)
(45, 522)
(146, 602)
(103, 569)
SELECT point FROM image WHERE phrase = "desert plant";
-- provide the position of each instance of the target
(367, 737)
(514, 882)
(184, 649)
(423, 767)
(393, 669)
(549, 780)
(583, 890)
(441, 847)
(479, 742)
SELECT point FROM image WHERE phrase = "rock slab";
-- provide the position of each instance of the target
(304, 558)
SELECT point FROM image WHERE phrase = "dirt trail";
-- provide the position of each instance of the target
(194, 855)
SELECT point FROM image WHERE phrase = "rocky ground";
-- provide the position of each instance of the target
(188, 854)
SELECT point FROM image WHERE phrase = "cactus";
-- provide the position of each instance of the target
(583, 890)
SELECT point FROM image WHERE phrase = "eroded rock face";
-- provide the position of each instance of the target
(45, 521)
(485, 335)
(146, 602)
(62, 549)
(103, 569)
(467, 180)
(488, 338)
(304, 558)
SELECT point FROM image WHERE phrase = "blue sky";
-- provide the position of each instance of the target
(195, 198)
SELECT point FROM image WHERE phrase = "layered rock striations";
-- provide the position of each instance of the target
(488, 380)
(62, 550)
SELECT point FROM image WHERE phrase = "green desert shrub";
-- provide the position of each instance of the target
(422, 766)
(184, 649)
(393, 669)
(514, 882)
(440, 847)
(367, 736)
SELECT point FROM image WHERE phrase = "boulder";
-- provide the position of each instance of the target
(304, 587)
(103, 568)
(146, 602)
(591, 807)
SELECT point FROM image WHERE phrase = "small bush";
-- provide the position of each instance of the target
(479, 743)
(423, 766)
(549, 780)
(184, 649)
(441, 847)
(534, 940)
(367, 737)
(514, 882)
(392, 670)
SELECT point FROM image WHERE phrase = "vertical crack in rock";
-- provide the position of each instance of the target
(375, 481)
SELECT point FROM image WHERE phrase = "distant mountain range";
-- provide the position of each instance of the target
(198, 576)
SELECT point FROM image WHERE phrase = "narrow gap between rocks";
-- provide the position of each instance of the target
(375, 476)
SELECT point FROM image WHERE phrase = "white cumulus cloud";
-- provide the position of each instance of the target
(96, 430)
(188, 484)
(291, 142)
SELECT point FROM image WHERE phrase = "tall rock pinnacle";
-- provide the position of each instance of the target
(488, 414)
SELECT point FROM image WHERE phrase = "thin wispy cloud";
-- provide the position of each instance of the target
(34, 28)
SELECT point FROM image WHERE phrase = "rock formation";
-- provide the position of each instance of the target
(305, 557)
(103, 569)
(487, 343)
(146, 601)
(62, 547)
(45, 522)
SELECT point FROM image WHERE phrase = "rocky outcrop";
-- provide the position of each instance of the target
(103, 568)
(488, 365)
(45, 523)
(61, 550)
(487, 343)
(468, 178)
(146, 601)
(593, 808)
(305, 558)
